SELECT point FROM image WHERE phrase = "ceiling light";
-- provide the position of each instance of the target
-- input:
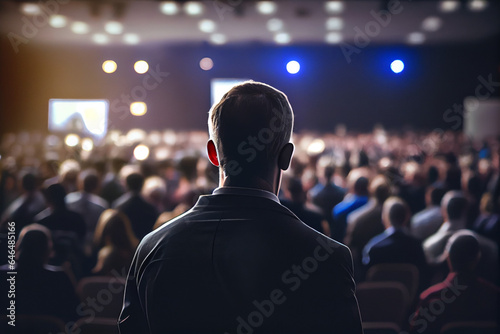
(416, 38)
(193, 8)
(169, 7)
(58, 21)
(80, 28)
(109, 66)
(141, 152)
(334, 7)
(432, 23)
(141, 66)
(206, 64)
(333, 37)
(138, 108)
(30, 9)
(131, 38)
(275, 24)
(113, 28)
(448, 6)
(334, 23)
(218, 39)
(100, 38)
(72, 140)
(207, 26)
(477, 5)
(282, 38)
(266, 7)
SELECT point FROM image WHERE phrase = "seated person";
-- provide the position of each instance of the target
(41, 289)
(462, 296)
(115, 242)
(395, 244)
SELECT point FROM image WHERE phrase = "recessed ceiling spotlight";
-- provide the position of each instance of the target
(266, 7)
(80, 28)
(58, 21)
(169, 7)
(193, 8)
(218, 39)
(432, 23)
(282, 38)
(334, 23)
(100, 38)
(131, 38)
(477, 5)
(275, 24)
(416, 38)
(113, 27)
(31, 9)
(448, 6)
(333, 37)
(334, 7)
(207, 26)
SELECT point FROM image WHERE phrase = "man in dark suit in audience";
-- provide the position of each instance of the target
(395, 244)
(238, 261)
(141, 213)
(462, 296)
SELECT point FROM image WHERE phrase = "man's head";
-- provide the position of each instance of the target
(34, 246)
(434, 196)
(395, 212)
(54, 195)
(250, 131)
(380, 188)
(454, 206)
(134, 182)
(88, 181)
(463, 251)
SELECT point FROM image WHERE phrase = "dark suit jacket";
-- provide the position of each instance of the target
(237, 264)
(396, 246)
(142, 215)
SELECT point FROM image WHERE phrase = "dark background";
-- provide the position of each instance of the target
(327, 91)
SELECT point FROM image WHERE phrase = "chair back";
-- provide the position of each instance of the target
(107, 292)
(405, 273)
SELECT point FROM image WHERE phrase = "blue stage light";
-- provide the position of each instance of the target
(397, 66)
(293, 67)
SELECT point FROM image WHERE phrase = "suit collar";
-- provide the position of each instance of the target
(246, 192)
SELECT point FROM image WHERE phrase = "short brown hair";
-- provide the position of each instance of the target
(250, 125)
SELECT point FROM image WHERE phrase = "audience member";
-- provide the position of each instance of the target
(112, 188)
(488, 222)
(142, 215)
(462, 296)
(24, 209)
(454, 209)
(115, 243)
(395, 244)
(304, 211)
(57, 217)
(426, 222)
(366, 222)
(356, 198)
(239, 248)
(326, 194)
(40, 289)
(87, 203)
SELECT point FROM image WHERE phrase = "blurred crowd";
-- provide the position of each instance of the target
(80, 207)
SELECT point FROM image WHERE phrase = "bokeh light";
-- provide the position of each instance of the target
(138, 108)
(397, 66)
(141, 66)
(109, 66)
(141, 152)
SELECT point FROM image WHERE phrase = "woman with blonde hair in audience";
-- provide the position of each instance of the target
(115, 243)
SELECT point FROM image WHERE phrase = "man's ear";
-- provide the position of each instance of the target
(212, 153)
(285, 156)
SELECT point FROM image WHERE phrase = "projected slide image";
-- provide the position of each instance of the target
(87, 118)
